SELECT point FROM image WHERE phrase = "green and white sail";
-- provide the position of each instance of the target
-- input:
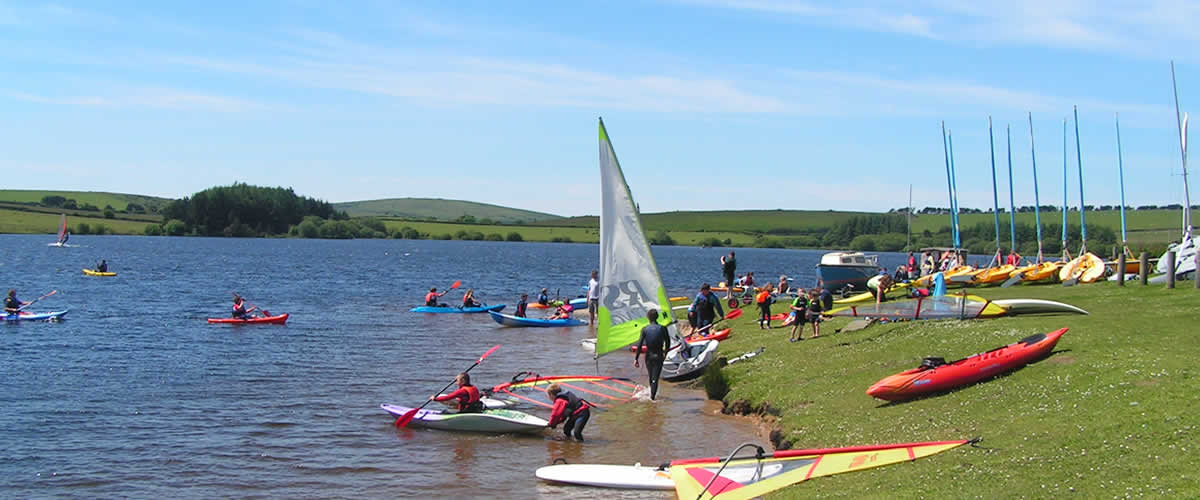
(629, 281)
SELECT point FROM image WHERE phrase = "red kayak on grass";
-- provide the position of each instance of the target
(721, 335)
(935, 375)
(278, 320)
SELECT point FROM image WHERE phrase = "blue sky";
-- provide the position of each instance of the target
(711, 104)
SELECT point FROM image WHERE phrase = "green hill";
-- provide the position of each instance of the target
(98, 198)
(439, 209)
(750, 221)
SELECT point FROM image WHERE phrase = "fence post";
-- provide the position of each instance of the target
(1144, 268)
(1121, 269)
(1171, 269)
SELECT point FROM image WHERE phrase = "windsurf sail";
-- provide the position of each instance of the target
(753, 476)
(941, 307)
(629, 281)
(599, 390)
(62, 230)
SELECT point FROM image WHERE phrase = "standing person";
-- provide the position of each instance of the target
(12, 304)
(239, 308)
(911, 266)
(658, 342)
(799, 309)
(707, 307)
(469, 400)
(593, 297)
(728, 268)
(468, 299)
(763, 299)
(523, 305)
(569, 410)
(784, 286)
(814, 313)
(431, 298)
(928, 265)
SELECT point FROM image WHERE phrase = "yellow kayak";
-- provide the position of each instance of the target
(1086, 268)
(93, 272)
(1038, 272)
(868, 296)
(927, 280)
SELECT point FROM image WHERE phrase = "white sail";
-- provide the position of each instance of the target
(629, 281)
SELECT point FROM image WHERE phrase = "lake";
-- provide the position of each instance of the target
(134, 394)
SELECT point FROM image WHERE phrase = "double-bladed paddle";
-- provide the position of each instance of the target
(52, 292)
(408, 417)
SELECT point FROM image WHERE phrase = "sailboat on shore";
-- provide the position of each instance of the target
(1040, 269)
(1185, 250)
(1087, 267)
(63, 234)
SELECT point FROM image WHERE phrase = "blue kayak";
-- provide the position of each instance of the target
(448, 309)
(27, 316)
(509, 320)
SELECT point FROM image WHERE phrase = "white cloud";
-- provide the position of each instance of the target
(144, 98)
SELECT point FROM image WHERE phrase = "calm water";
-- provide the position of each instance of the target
(136, 395)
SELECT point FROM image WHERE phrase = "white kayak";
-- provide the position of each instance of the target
(638, 476)
(686, 363)
(491, 421)
(488, 403)
(1036, 306)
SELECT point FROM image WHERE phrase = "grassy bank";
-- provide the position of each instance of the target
(98, 198)
(29, 222)
(1110, 413)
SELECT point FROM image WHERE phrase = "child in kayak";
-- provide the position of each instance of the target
(102, 266)
(239, 308)
(563, 311)
(543, 297)
(522, 305)
(467, 396)
(431, 298)
(568, 410)
(469, 299)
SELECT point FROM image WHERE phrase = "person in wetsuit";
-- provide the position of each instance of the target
(543, 297)
(469, 299)
(569, 410)
(102, 266)
(431, 298)
(12, 304)
(239, 308)
(523, 305)
(657, 341)
(728, 269)
(707, 307)
(467, 396)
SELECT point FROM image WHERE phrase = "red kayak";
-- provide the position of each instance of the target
(721, 335)
(278, 320)
(936, 375)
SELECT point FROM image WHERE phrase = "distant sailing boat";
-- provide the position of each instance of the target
(63, 235)
(1185, 250)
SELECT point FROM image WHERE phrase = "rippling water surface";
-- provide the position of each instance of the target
(136, 395)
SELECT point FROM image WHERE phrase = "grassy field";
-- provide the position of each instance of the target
(26, 222)
(437, 208)
(740, 221)
(1111, 412)
(97, 198)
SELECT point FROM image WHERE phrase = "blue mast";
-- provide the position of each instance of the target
(954, 192)
(1066, 254)
(1079, 162)
(995, 195)
(949, 185)
(1121, 174)
(1037, 209)
(1012, 209)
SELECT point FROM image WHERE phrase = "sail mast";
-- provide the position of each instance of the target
(1121, 178)
(1079, 162)
(1066, 254)
(908, 245)
(1182, 124)
(1037, 209)
(954, 193)
(995, 195)
(949, 186)
(1012, 209)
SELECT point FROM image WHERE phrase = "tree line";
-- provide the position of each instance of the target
(242, 210)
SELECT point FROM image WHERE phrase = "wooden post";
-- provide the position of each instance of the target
(1171, 269)
(1144, 268)
(1121, 269)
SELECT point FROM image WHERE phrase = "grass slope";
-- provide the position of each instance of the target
(437, 208)
(755, 221)
(27, 222)
(97, 198)
(1143, 226)
(1110, 413)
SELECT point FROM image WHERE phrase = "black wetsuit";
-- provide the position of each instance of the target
(729, 268)
(657, 342)
(801, 315)
(521, 306)
(12, 304)
(826, 299)
(706, 309)
(102, 267)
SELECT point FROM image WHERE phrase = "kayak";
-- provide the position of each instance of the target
(577, 303)
(448, 309)
(491, 421)
(28, 316)
(278, 320)
(1036, 306)
(488, 403)
(1038, 272)
(687, 363)
(510, 320)
(93, 272)
(718, 336)
(985, 276)
(630, 477)
(936, 375)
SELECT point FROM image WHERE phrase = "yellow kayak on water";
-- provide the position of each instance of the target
(93, 272)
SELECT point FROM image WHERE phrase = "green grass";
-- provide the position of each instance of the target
(1153, 221)
(97, 198)
(1112, 412)
(738, 221)
(439, 209)
(26, 222)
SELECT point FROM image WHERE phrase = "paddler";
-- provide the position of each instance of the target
(563, 311)
(239, 308)
(523, 305)
(102, 266)
(12, 304)
(431, 298)
(468, 299)
(568, 410)
(469, 400)
(707, 307)
(657, 341)
(543, 297)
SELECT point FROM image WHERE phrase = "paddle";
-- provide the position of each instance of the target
(1012, 280)
(407, 417)
(734, 314)
(52, 292)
